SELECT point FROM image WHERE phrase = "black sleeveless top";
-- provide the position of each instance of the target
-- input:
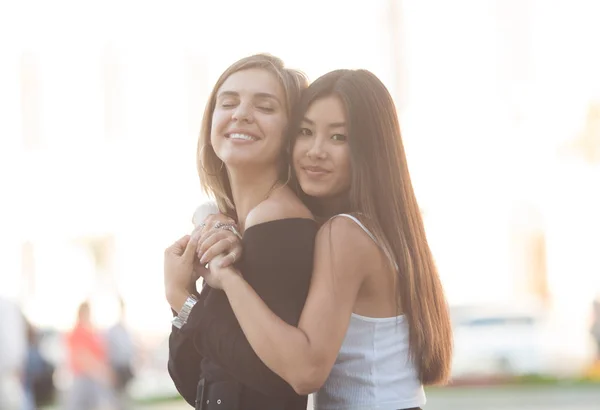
(277, 262)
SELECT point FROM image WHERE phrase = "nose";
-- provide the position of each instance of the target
(242, 113)
(316, 150)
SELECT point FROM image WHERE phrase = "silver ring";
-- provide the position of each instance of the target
(235, 232)
(230, 227)
(201, 225)
(234, 255)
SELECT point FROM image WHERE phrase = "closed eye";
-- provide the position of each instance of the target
(228, 104)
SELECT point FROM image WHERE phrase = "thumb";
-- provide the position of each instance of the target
(178, 247)
(190, 247)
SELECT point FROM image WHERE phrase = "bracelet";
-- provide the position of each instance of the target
(230, 227)
(181, 319)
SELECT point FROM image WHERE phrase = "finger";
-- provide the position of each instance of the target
(227, 237)
(197, 230)
(190, 248)
(229, 259)
(220, 233)
(221, 247)
(234, 255)
(202, 227)
(208, 234)
(207, 240)
(208, 223)
(178, 247)
(217, 245)
(213, 219)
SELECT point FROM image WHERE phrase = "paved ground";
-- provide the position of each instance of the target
(514, 398)
(524, 398)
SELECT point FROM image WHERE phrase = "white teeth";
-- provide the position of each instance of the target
(241, 137)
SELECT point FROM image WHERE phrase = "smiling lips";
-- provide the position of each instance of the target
(241, 136)
(314, 171)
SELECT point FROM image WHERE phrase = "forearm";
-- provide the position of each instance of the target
(176, 298)
(184, 364)
(283, 348)
(218, 336)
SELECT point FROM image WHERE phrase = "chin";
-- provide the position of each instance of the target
(237, 160)
(313, 191)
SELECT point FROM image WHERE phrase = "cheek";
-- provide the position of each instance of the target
(216, 126)
(345, 168)
(298, 150)
(278, 128)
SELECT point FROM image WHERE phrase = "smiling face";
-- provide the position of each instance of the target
(321, 152)
(249, 119)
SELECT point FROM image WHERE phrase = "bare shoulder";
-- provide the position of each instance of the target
(283, 204)
(348, 244)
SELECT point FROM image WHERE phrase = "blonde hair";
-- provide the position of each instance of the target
(213, 175)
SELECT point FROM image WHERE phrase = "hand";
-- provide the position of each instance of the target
(219, 241)
(211, 220)
(202, 211)
(216, 275)
(179, 267)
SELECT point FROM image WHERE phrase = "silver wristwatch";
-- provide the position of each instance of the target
(184, 313)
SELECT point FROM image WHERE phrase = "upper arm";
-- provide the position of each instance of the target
(343, 254)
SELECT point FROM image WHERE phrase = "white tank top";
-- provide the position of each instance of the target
(373, 369)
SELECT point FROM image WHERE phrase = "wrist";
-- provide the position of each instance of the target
(176, 298)
(231, 279)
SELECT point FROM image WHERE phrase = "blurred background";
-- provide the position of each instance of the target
(499, 104)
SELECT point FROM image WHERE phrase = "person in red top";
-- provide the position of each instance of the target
(88, 364)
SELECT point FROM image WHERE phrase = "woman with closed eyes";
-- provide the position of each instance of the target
(243, 164)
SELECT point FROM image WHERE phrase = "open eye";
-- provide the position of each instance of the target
(305, 132)
(339, 137)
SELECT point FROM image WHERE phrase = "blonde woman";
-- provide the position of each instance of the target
(243, 164)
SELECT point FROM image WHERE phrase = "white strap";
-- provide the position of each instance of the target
(364, 228)
(359, 223)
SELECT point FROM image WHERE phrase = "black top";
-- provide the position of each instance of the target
(277, 263)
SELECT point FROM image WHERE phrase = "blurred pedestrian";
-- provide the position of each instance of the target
(13, 349)
(121, 351)
(595, 329)
(92, 376)
(38, 373)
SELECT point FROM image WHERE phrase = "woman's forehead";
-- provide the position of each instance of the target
(254, 82)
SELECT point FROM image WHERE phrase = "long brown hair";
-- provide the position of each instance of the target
(212, 172)
(382, 196)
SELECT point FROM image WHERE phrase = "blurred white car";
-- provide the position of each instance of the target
(512, 341)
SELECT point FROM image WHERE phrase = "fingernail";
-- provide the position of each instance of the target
(201, 258)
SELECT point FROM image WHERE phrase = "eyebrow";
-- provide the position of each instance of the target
(256, 95)
(332, 125)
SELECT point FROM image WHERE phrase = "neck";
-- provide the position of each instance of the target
(250, 188)
(328, 207)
